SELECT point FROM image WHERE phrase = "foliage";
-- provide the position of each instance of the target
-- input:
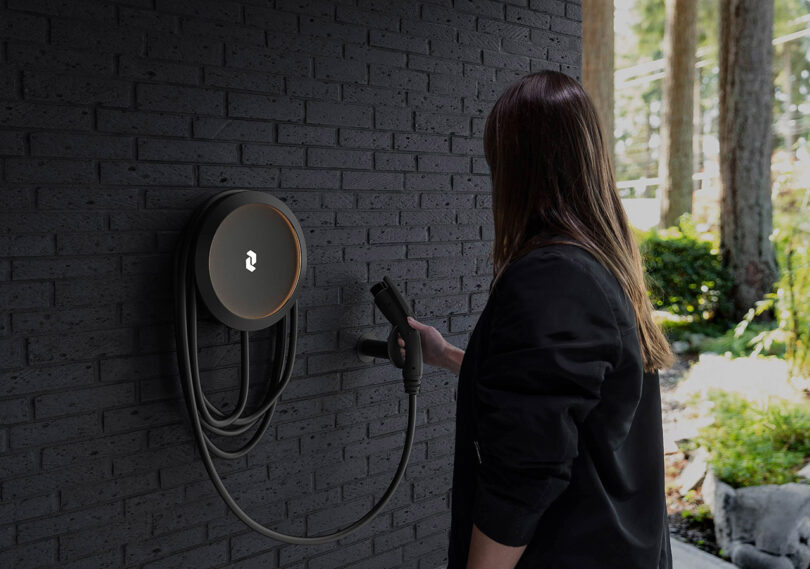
(790, 301)
(747, 339)
(701, 513)
(751, 444)
(685, 275)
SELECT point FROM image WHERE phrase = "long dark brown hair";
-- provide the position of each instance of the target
(552, 175)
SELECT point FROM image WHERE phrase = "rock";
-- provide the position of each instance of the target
(694, 471)
(761, 527)
(695, 339)
(804, 472)
(680, 346)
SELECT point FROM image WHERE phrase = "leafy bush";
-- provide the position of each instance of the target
(791, 299)
(685, 274)
(747, 339)
(751, 444)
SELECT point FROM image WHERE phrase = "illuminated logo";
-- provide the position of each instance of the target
(250, 262)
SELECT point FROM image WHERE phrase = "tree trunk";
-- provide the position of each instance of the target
(675, 159)
(697, 135)
(597, 63)
(746, 91)
(788, 87)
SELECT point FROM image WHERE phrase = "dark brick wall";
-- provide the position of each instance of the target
(118, 118)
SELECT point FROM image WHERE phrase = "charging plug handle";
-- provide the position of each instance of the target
(396, 310)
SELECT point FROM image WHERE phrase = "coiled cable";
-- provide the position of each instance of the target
(205, 416)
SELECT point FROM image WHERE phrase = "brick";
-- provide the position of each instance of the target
(35, 434)
(79, 401)
(109, 536)
(64, 145)
(46, 170)
(55, 456)
(454, 50)
(187, 49)
(294, 178)
(337, 69)
(450, 164)
(480, 40)
(338, 114)
(504, 29)
(28, 27)
(25, 295)
(135, 122)
(82, 9)
(27, 114)
(44, 56)
(63, 88)
(96, 198)
(209, 555)
(30, 555)
(146, 19)
(269, 107)
(144, 69)
(364, 139)
(219, 10)
(363, 54)
(301, 134)
(28, 269)
(531, 18)
(80, 346)
(555, 7)
(269, 60)
(322, 27)
(149, 549)
(564, 26)
(186, 151)
(372, 181)
(366, 18)
(85, 35)
(398, 41)
(180, 99)
(247, 80)
(234, 33)
(387, 76)
(230, 129)
(263, 154)
(127, 173)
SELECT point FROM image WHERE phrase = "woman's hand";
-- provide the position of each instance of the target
(434, 346)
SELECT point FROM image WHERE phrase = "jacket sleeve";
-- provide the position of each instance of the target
(553, 337)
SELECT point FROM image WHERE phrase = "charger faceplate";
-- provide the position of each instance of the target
(250, 260)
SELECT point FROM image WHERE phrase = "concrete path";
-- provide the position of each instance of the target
(687, 556)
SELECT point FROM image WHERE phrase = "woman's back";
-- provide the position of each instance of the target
(558, 439)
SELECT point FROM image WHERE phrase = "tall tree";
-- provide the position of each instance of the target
(746, 91)
(597, 62)
(675, 158)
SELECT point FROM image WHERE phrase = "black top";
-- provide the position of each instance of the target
(558, 428)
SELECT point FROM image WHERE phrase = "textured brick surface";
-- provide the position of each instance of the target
(118, 117)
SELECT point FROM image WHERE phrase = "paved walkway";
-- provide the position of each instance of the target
(687, 556)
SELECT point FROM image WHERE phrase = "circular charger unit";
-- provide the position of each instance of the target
(250, 259)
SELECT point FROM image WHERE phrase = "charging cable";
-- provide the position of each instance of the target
(206, 417)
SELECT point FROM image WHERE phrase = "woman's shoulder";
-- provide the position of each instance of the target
(574, 260)
(571, 265)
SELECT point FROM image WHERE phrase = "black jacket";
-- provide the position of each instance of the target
(558, 429)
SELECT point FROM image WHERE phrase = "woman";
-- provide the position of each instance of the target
(559, 455)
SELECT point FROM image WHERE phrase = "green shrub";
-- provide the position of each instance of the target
(685, 275)
(751, 444)
(743, 341)
(789, 302)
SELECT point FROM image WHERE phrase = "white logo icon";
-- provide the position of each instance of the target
(250, 262)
